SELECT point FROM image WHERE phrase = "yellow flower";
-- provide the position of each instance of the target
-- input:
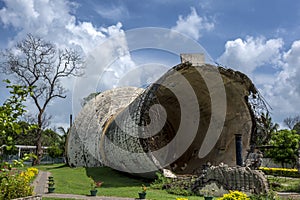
(144, 188)
(34, 170)
(235, 195)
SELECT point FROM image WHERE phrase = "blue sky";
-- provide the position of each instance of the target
(259, 38)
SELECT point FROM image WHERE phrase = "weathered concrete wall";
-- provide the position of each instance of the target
(116, 130)
(83, 147)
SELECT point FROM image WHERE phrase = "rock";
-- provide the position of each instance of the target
(168, 174)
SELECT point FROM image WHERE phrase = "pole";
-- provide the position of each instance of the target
(71, 120)
(238, 149)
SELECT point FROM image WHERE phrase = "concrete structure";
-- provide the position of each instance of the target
(196, 59)
(181, 122)
(25, 149)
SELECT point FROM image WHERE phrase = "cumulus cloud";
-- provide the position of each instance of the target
(247, 55)
(280, 86)
(54, 21)
(193, 25)
(287, 80)
(292, 67)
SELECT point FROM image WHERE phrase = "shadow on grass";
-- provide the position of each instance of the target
(113, 178)
(52, 166)
(60, 166)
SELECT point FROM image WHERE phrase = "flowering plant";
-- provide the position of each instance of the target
(95, 184)
(144, 189)
(235, 195)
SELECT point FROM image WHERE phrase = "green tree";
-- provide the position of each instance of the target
(285, 144)
(297, 127)
(63, 138)
(54, 151)
(57, 146)
(41, 65)
(10, 113)
(265, 129)
(50, 138)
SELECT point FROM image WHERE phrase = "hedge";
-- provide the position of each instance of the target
(280, 172)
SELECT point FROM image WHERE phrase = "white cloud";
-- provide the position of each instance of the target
(112, 12)
(192, 25)
(11, 13)
(280, 87)
(247, 55)
(292, 60)
(287, 80)
(54, 21)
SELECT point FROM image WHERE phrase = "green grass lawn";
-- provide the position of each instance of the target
(284, 184)
(76, 181)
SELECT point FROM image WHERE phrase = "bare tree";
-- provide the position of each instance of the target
(38, 63)
(291, 121)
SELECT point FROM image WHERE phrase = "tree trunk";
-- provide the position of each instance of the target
(39, 150)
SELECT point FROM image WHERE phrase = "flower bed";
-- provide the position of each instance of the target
(15, 183)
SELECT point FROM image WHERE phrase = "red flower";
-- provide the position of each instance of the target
(98, 183)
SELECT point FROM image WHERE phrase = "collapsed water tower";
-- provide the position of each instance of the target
(190, 116)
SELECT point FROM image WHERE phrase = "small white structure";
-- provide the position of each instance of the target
(24, 149)
(196, 59)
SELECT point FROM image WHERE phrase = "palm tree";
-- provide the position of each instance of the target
(63, 140)
(265, 129)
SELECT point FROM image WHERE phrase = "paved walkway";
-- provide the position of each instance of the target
(41, 188)
(40, 183)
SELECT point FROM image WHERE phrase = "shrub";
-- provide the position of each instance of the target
(15, 186)
(179, 191)
(160, 181)
(235, 195)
